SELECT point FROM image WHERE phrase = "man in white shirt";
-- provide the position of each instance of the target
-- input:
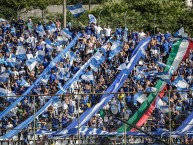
(142, 35)
(9, 126)
(107, 32)
(98, 30)
(64, 105)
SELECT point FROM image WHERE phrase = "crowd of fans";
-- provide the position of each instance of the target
(23, 33)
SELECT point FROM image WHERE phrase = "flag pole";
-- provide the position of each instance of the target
(64, 13)
(80, 23)
(89, 5)
(78, 119)
(154, 21)
(125, 18)
(34, 125)
(99, 16)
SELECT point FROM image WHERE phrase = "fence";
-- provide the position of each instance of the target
(108, 121)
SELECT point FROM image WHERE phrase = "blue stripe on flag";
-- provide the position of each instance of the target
(76, 10)
(4, 77)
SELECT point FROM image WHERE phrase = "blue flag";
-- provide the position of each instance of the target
(88, 76)
(66, 33)
(31, 63)
(115, 48)
(3, 92)
(48, 44)
(21, 52)
(10, 62)
(164, 76)
(180, 32)
(180, 83)
(92, 19)
(40, 55)
(24, 83)
(4, 77)
(139, 97)
(40, 30)
(76, 10)
(96, 61)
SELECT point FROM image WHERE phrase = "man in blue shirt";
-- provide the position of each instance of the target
(20, 24)
(89, 30)
(167, 35)
(165, 46)
(119, 32)
(13, 30)
(52, 76)
(70, 109)
(65, 121)
(55, 123)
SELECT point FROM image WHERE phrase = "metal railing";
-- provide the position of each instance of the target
(35, 139)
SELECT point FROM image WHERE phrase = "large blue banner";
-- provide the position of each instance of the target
(115, 86)
(48, 68)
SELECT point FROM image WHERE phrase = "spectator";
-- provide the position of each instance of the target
(20, 24)
(16, 36)
(107, 32)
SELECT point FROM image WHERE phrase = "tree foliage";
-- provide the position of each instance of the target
(9, 8)
(147, 14)
(141, 14)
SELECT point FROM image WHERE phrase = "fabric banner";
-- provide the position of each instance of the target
(186, 125)
(48, 68)
(75, 77)
(115, 86)
(180, 51)
(88, 131)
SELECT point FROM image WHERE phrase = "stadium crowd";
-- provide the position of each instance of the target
(20, 33)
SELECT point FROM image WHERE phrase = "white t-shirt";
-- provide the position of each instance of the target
(142, 35)
(98, 29)
(43, 43)
(64, 106)
(107, 32)
(9, 126)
